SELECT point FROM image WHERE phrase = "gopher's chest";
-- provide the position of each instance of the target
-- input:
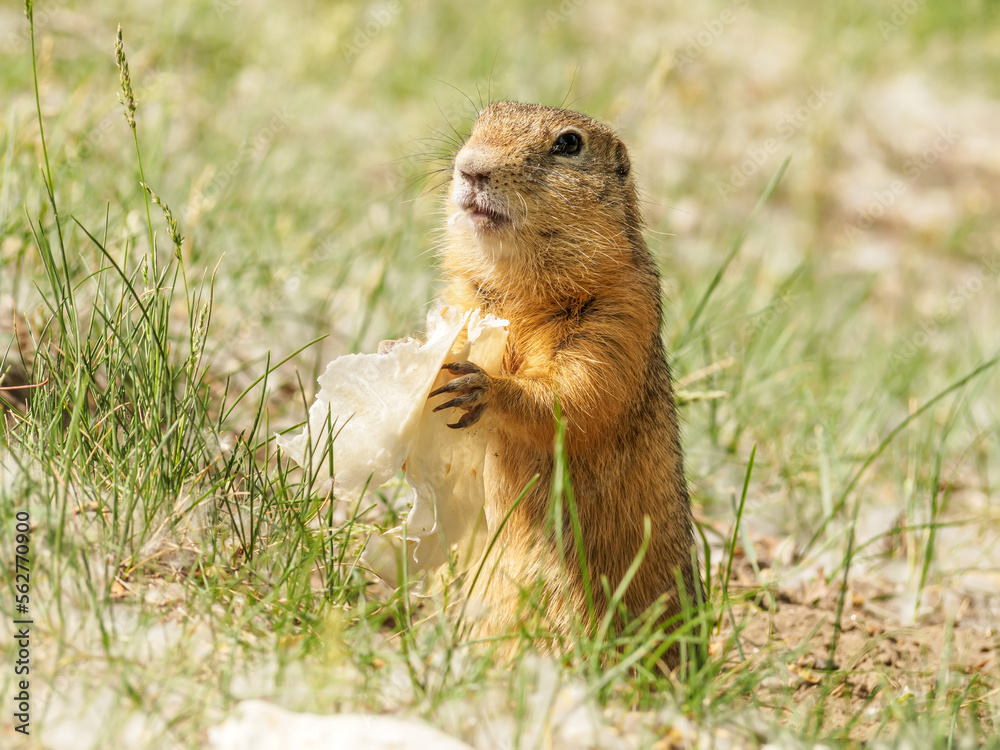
(537, 338)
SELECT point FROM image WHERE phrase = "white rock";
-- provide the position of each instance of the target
(258, 725)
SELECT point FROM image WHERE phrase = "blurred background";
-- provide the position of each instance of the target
(299, 147)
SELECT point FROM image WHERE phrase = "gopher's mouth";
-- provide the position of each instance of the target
(482, 216)
(486, 218)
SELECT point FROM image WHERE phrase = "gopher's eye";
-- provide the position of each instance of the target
(567, 144)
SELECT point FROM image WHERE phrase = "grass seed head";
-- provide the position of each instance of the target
(127, 98)
(175, 236)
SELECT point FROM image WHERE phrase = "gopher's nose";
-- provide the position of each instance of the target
(473, 168)
(476, 180)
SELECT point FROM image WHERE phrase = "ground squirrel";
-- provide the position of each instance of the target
(545, 231)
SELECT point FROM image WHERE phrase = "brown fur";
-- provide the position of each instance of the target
(559, 252)
(17, 357)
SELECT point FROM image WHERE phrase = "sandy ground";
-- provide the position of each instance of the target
(790, 630)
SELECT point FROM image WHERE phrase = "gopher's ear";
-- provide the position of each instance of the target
(622, 164)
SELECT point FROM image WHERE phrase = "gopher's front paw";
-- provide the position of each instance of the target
(473, 385)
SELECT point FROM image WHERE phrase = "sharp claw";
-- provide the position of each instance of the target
(462, 368)
(472, 391)
(457, 384)
(446, 388)
(447, 405)
(463, 383)
(466, 399)
(471, 416)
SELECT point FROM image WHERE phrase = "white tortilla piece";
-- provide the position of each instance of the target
(445, 468)
(391, 421)
(370, 403)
